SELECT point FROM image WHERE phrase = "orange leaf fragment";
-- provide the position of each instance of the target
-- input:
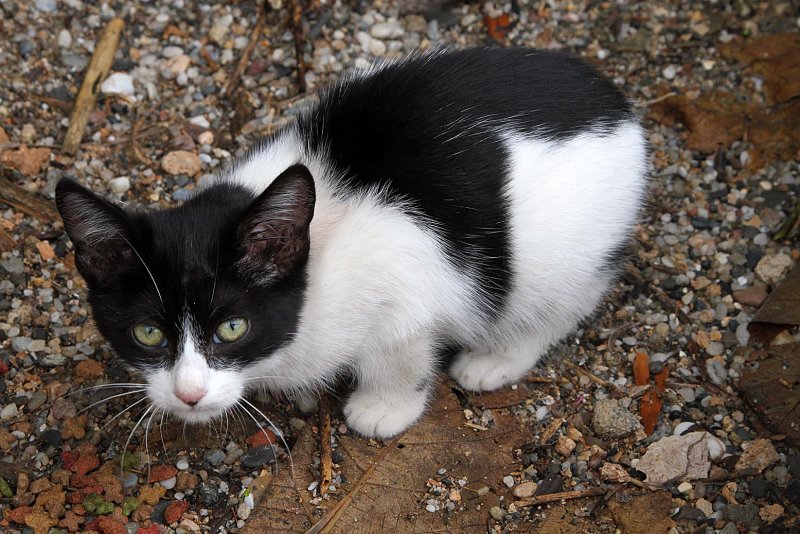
(498, 26)
(641, 369)
(649, 410)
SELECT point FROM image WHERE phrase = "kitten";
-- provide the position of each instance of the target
(474, 198)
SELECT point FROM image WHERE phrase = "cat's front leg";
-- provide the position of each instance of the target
(392, 390)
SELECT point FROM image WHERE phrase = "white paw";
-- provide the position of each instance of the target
(383, 416)
(481, 371)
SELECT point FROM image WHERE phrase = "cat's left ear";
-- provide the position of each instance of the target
(273, 237)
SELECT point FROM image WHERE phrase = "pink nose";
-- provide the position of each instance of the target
(191, 397)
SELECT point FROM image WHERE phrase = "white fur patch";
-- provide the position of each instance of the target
(191, 377)
(381, 291)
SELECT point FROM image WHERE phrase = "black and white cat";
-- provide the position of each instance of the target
(474, 198)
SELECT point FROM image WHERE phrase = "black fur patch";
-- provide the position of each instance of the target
(191, 252)
(430, 130)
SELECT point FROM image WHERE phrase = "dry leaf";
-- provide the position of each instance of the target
(649, 409)
(641, 369)
(783, 304)
(716, 119)
(774, 58)
(498, 27)
(644, 514)
(773, 390)
(387, 483)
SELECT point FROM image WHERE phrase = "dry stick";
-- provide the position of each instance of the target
(6, 241)
(580, 370)
(329, 521)
(325, 452)
(296, 16)
(564, 495)
(98, 69)
(27, 202)
(248, 50)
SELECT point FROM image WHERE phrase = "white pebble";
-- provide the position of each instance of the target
(169, 483)
(669, 72)
(64, 38)
(183, 463)
(120, 185)
(118, 83)
(508, 480)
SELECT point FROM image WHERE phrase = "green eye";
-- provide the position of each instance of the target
(231, 330)
(149, 335)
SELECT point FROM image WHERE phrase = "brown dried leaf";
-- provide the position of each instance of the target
(644, 514)
(783, 304)
(649, 410)
(387, 483)
(716, 119)
(774, 58)
(773, 390)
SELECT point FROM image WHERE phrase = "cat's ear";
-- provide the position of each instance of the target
(99, 230)
(273, 236)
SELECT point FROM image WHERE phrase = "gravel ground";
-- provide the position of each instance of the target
(703, 260)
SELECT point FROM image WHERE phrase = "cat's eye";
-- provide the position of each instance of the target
(149, 335)
(231, 330)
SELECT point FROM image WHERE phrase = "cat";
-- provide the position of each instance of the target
(473, 198)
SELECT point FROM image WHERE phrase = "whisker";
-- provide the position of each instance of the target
(134, 392)
(146, 442)
(279, 433)
(105, 386)
(128, 441)
(125, 410)
(146, 268)
(161, 431)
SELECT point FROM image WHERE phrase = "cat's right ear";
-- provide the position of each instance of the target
(99, 230)
(273, 238)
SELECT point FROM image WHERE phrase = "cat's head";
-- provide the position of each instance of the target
(193, 295)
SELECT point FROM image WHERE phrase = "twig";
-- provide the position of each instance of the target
(580, 370)
(133, 143)
(329, 520)
(98, 69)
(325, 452)
(27, 202)
(296, 16)
(212, 65)
(248, 50)
(648, 103)
(791, 223)
(6, 241)
(730, 475)
(564, 495)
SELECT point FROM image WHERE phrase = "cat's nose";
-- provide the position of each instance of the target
(191, 398)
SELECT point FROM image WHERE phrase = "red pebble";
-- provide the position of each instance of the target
(152, 529)
(259, 438)
(69, 458)
(3, 367)
(84, 464)
(17, 515)
(161, 472)
(109, 526)
(175, 510)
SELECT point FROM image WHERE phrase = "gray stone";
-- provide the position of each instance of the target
(13, 265)
(214, 457)
(744, 513)
(613, 421)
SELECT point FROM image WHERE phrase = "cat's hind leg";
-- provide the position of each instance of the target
(392, 390)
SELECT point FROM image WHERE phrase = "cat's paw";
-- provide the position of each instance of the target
(485, 371)
(381, 415)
